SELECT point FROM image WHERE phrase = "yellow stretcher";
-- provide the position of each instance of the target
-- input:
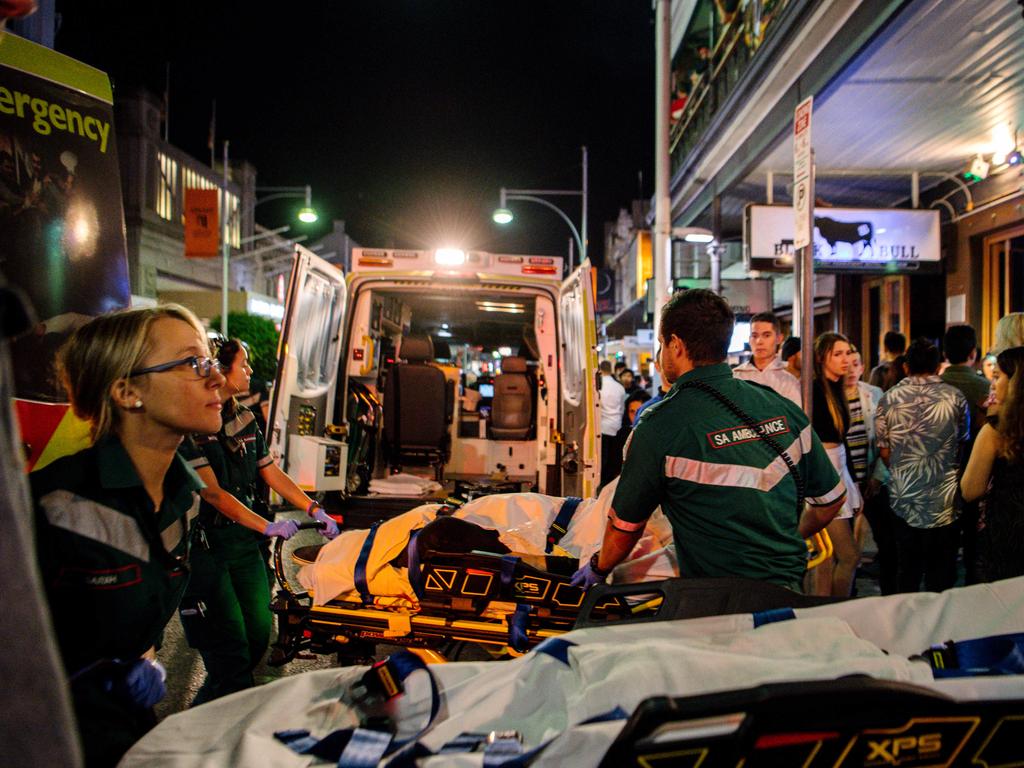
(506, 604)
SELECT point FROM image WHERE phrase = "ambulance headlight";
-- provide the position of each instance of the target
(449, 257)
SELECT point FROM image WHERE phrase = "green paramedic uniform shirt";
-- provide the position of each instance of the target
(235, 454)
(729, 496)
(114, 571)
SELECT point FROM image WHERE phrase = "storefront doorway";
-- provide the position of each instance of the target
(885, 306)
(1002, 280)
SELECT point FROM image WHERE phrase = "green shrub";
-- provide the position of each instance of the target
(261, 336)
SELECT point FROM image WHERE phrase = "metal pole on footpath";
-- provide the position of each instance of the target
(806, 288)
(225, 249)
(662, 199)
(803, 243)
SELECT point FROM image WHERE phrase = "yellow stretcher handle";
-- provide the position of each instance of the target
(819, 547)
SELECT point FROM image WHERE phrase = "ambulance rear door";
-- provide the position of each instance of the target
(579, 450)
(301, 429)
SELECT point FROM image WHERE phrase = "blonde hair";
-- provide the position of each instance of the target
(1009, 332)
(837, 407)
(104, 350)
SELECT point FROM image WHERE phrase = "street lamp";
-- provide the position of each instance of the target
(503, 214)
(702, 236)
(307, 213)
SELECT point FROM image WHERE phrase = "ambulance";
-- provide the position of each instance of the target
(423, 371)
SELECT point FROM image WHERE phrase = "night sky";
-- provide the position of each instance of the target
(405, 116)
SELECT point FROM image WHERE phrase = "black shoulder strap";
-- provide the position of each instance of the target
(703, 386)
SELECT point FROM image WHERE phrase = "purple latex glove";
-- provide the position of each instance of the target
(331, 527)
(586, 577)
(141, 684)
(284, 529)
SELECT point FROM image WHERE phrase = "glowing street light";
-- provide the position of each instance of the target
(503, 215)
(307, 213)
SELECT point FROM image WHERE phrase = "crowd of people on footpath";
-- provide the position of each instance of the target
(929, 445)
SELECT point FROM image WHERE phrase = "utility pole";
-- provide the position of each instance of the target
(662, 199)
(225, 249)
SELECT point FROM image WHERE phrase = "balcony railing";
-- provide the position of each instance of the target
(729, 61)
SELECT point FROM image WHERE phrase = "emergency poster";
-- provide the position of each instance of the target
(62, 232)
(62, 238)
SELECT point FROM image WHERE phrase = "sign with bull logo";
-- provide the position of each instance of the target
(845, 239)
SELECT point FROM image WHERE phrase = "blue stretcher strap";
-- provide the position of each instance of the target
(508, 571)
(360, 569)
(365, 749)
(518, 639)
(404, 664)
(360, 747)
(464, 742)
(770, 617)
(617, 713)
(561, 524)
(995, 655)
(556, 648)
(413, 560)
(502, 751)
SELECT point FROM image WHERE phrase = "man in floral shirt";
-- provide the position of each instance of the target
(921, 426)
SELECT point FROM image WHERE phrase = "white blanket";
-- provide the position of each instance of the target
(404, 484)
(546, 699)
(522, 520)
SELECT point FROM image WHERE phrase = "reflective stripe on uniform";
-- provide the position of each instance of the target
(268, 459)
(738, 475)
(199, 463)
(172, 535)
(832, 496)
(92, 520)
(625, 525)
(240, 422)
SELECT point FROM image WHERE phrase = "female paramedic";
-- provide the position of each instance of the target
(226, 609)
(113, 520)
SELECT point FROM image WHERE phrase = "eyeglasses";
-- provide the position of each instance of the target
(203, 366)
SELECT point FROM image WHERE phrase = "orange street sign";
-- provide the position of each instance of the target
(202, 224)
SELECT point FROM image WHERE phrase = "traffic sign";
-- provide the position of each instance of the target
(802, 172)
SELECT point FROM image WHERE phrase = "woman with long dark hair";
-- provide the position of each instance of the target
(831, 420)
(225, 610)
(995, 472)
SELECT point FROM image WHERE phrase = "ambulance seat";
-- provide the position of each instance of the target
(512, 406)
(417, 407)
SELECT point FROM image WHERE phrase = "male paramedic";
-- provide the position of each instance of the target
(731, 498)
(764, 366)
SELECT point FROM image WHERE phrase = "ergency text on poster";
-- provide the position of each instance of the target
(47, 116)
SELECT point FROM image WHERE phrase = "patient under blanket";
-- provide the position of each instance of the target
(515, 522)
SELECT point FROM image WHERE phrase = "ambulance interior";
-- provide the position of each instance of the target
(447, 385)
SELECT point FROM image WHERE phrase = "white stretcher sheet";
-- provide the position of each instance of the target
(545, 699)
(522, 519)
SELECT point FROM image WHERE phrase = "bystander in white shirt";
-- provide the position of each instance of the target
(613, 403)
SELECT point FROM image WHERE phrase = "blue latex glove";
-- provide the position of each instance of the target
(585, 577)
(284, 529)
(331, 529)
(141, 683)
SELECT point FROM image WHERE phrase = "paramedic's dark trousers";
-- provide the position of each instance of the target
(233, 630)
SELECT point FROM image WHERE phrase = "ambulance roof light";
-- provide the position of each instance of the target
(450, 257)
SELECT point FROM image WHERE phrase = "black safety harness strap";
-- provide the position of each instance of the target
(707, 389)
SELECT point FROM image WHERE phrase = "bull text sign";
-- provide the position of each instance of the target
(845, 239)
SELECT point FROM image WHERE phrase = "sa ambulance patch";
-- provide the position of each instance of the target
(724, 438)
